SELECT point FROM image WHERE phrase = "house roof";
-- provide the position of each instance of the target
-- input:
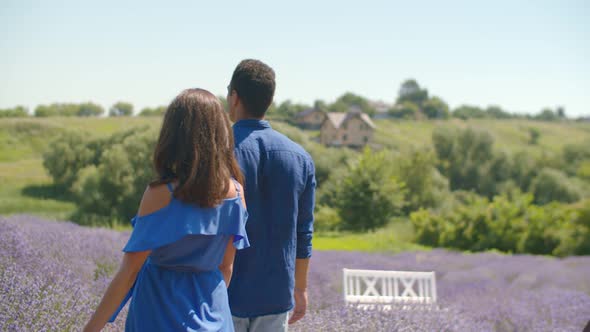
(306, 112)
(338, 119)
(367, 120)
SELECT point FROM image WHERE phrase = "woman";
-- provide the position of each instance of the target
(178, 261)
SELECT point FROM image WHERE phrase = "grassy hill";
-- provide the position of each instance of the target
(509, 135)
(25, 187)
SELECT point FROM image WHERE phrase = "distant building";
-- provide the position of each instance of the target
(310, 119)
(353, 129)
(381, 109)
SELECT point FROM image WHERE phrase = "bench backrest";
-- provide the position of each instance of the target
(375, 286)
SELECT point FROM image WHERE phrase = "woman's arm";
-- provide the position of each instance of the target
(227, 264)
(154, 198)
(118, 288)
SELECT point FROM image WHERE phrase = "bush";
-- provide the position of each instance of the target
(583, 170)
(436, 108)
(326, 219)
(425, 187)
(66, 156)
(369, 194)
(327, 159)
(106, 176)
(124, 172)
(508, 223)
(466, 158)
(553, 185)
(523, 170)
(575, 236)
(534, 135)
(573, 156)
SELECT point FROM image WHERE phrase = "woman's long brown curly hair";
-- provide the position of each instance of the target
(196, 149)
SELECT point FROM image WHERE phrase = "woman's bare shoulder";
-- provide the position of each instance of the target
(154, 198)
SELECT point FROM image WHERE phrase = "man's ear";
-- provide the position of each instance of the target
(235, 100)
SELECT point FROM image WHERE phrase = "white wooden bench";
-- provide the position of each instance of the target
(375, 287)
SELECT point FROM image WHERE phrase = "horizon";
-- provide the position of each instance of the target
(522, 57)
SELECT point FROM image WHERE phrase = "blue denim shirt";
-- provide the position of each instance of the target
(280, 196)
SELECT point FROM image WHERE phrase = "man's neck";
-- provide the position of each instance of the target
(244, 116)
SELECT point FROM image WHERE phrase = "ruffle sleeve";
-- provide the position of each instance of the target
(178, 220)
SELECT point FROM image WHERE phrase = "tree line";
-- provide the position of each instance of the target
(412, 102)
(87, 109)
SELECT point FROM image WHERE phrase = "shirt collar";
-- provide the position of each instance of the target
(254, 123)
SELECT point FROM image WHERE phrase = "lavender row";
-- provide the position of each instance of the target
(52, 275)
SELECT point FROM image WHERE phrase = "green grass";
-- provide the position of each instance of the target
(25, 188)
(396, 237)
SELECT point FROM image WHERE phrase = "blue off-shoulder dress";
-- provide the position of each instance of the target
(180, 287)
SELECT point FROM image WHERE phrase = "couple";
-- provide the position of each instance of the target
(180, 267)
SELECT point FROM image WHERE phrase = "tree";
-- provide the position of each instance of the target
(16, 112)
(405, 110)
(57, 109)
(496, 112)
(411, 91)
(425, 187)
(69, 109)
(288, 109)
(467, 159)
(90, 109)
(547, 114)
(320, 105)
(121, 109)
(468, 112)
(435, 108)
(325, 159)
(156, 111)
(66, 156)
(349, 102)
(369, 194)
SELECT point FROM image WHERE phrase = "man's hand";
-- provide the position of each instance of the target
(300, 305)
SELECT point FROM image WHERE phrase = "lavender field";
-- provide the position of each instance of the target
(52, 275)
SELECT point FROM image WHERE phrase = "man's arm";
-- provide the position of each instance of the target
(304, 236)
(300, 292)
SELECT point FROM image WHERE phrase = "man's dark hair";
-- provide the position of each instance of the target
(254, 82)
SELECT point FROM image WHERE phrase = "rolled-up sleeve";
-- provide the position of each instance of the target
(305, 214)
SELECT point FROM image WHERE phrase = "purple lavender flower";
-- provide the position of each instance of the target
(52, 275)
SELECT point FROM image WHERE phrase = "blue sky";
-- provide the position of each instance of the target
(522, 55)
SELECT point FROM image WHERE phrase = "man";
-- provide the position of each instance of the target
(269, 278)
